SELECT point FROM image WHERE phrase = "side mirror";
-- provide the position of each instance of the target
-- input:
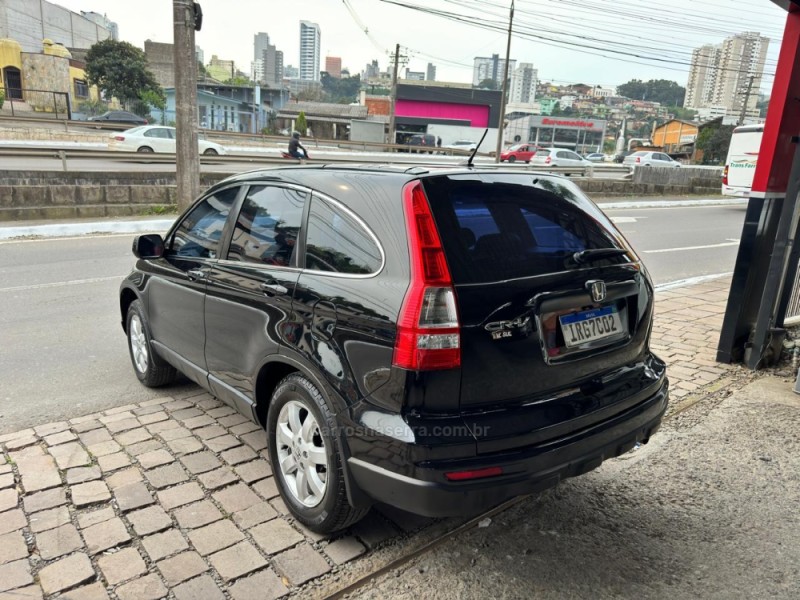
(148, 246)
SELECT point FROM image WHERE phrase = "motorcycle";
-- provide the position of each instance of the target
(287, 155)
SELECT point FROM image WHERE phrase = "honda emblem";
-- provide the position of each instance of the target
(597, 289)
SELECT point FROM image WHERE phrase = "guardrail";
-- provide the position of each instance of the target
(69, 154)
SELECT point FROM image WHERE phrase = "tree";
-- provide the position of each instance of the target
(343, 90)
(300, 124)
(155, 100)
(685, 114)
(488, 84)
(119, 69)
(666, 92)
(714, 142)
(239, 80)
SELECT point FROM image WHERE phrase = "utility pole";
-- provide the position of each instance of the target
(186, 151)
(746, 98)
(500, 125)
(392, 136)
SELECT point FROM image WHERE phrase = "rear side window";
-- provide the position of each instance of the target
(337, 243)
(268, 225)
(493, 231)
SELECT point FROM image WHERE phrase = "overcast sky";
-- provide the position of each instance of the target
(602, 42)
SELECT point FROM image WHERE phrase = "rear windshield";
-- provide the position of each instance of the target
(497, 227)
(640, 153)
(543, 153)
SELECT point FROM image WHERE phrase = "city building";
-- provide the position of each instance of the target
(372, 71)
(333, 66)
(104, 22)
(199, 55)
(430, 74)
(415, 75)
(581, 135)
(524, 80)
(547, 105)
(272, 62)
(260, 43)
(491, 68)
(728, 75)
(28, 22)
(310, 39)
(257, 70)
(161, 61)
(290, 72)
(602, 92)
(221, 70)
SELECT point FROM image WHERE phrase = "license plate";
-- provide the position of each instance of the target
(590, 325)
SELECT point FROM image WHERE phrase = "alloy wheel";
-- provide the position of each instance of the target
(301, 453)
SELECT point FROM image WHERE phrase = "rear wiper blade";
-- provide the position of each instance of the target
(586, 256)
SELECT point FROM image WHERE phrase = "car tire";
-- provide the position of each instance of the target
(145, 149)
(211, 152)
(149, 368)
(512, 159)
(326, 510)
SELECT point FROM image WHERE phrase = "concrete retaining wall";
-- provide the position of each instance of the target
(58, 195)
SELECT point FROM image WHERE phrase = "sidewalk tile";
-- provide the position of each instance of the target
(185, 414)
(87, 519)
(264, 585)
(113, 417)
(197, 514)
(301, 564)
(185, 445)
(200, 462)
(48, 519)
(103, 536)
(237, 560)
(66, 573)
(12, 547)
(198, 422)
(121, 566)
(175, 433)
(236, 497)
(8, 499)
(155, 417)
(60, 438)
(275, 536)
(200, 587)
(222, 411)
(91, 492)
(257, 440)
(266, 488)
(94, 591)
(104, 448)
(156, 458)
(132, 496)
(32, 592)
(180, 495)
(182, 567)
(7, 437)
(373, 530)
(239, 455)
(113, 462)
(51, 428)
(14, 575)
(344, 550)
(21, 442)
(134, 436)
(82, 474)
(149, 520)
(254, 471)
(214, 537)
(222, 443)
(255, 515)
(157, 401)
(124, 477)
(120, 409)
(95, 436)
(234, 419)
(44, 500)
(162, 477)
(245, 428)
(70, 455)
(7, 480)
(84, 426)
(144, 588)
(161, 545)
(123, 425)
(144, 447)
(58, 542)
(38, 473)
(143, 411)
(217, 479)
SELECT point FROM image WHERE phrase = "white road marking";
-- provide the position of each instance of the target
(39, 286)
(732, 242)
(671, 285)
(619, 220)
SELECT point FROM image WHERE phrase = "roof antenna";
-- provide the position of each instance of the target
(474, 152)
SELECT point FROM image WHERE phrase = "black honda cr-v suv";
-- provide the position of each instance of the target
(439, 340)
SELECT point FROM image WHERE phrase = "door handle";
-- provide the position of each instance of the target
(274, 289)
(196, 274)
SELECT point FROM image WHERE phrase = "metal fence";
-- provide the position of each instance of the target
(21, 102)
(792, 317)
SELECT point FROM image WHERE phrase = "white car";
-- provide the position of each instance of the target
(466, 145)
(156, 138)
(558, 157)
(595, 157)
(644, 158)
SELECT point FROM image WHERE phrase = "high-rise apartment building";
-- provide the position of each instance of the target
(260, 43)
(309, 51)
(430, 75)
(524, 80)
(333, 66)
(721, 75)
(490, 68)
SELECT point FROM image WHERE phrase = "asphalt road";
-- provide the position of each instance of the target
(63, 353)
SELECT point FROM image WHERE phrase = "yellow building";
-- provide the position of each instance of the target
(675, 134)
(33, 77)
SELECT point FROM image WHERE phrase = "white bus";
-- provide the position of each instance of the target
(740, 166)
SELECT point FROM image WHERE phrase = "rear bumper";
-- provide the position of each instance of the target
(526, 470)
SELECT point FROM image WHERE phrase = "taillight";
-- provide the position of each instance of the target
(725, 175)
(119, 138)
(474, 474)
(638, 159)
(428, 331)
(547, 160)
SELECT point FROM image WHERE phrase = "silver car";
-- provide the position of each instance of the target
(559, 157)
(650, 159)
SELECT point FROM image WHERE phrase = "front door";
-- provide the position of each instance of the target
(249, 297)
(13, 79)
(178, 288)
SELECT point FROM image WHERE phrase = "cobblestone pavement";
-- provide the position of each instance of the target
(175, 497)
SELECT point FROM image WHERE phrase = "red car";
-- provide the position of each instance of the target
(523, 152)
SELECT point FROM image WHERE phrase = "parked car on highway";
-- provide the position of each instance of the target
(519, 152)
(466, 145)
(119, 116)
(156, 138)
(650, 159)
(558, 157)
(425, 142)
(473, 335)
(595, 157)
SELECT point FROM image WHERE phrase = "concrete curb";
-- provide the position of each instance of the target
(617, 205)
(56, 230)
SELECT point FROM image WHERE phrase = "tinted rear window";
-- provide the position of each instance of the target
(509, 227)
(543, 153)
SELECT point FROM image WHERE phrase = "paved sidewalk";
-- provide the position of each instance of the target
(174, 496)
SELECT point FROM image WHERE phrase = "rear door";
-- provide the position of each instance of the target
(535, 322)
(250, 290)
